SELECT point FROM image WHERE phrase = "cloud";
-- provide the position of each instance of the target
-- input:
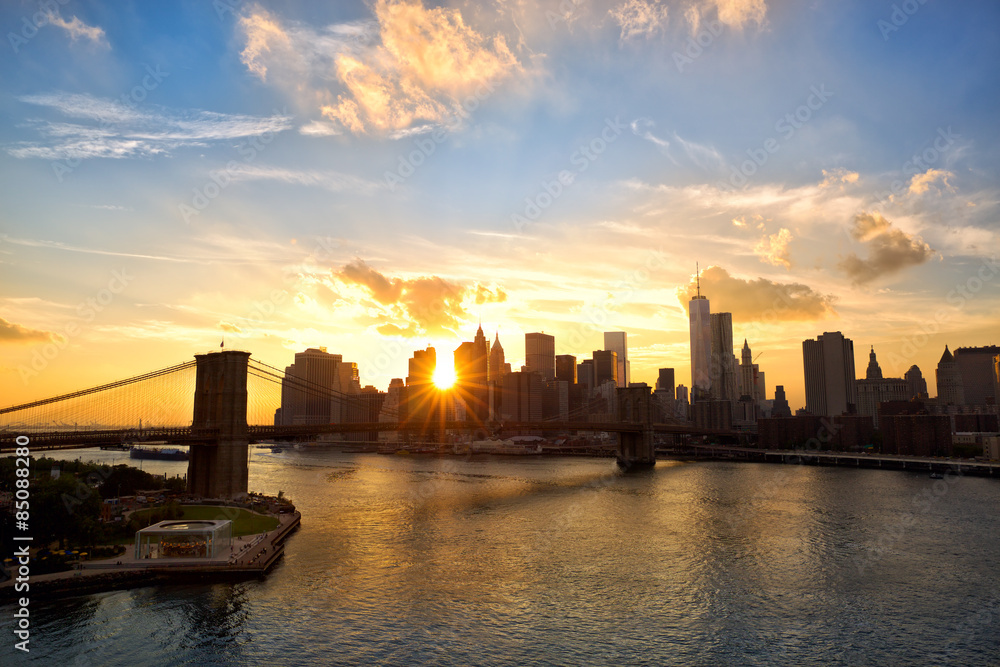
(889, 249)
(77, 29)
(15, 333)
(639, 18)
(334, 181)
(920, 183)
(410, 307)
(230, 327)
(487, 295)
(320, 129)
(124, 131)
(773, 249)
(838, 176)
(412, 65)
(732, 13)
(759, 300)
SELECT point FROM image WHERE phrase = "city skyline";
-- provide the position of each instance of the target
(178, 176)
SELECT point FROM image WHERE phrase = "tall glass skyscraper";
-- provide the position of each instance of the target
(540, 354)
(701, 343)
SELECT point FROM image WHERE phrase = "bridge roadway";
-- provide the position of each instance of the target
(79, 439)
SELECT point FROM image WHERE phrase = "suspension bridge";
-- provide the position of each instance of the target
(221, 402)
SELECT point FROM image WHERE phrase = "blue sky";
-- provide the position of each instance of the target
(239, 166)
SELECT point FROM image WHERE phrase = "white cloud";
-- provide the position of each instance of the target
(125, 131)
(333, 181)
(640, 18)
(77, 29)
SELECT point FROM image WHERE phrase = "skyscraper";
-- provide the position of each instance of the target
(540, 354)
(497, 366)
(950, 390)
(975, 365)
(471, 373)
(723, 372)
(316, 387)
(701, 343)
(780, 407)
(748, 378)
(566, 368)
(665, 381)
(617, 341)
(605, 367)
(828, 363)
(916, 383)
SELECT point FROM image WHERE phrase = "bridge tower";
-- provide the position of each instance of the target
(219, 469)
(635, 449)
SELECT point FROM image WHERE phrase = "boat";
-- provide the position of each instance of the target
(936, 475)
(123, 447)
(167, 454)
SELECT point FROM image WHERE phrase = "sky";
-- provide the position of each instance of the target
(375, 177)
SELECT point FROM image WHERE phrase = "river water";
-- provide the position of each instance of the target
(409, 560)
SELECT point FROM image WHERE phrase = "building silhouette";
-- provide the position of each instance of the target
(316, 389)
(617, 341)
(916, 384)
(471, 387)
(950, 388)
(975, 365)
(540, 355)
(723, 370)
(780, 406)
(875, 389)
(566, 368)
(828, 365)
(605, 367)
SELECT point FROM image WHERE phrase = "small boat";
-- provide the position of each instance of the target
(168, 454)
(936, 475)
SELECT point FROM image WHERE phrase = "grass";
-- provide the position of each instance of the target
(244, 521)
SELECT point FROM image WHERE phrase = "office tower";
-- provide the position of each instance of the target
(522, 397)
(497, 367)
(566, 368)
(471, 373)
(585, 376)
(761, 386)
(617, 341)
(317, 388)
(875, 390)
(828, 364)
(996, 378)
(950, 388)
(916, 383)
(780, 407)
(605, 367)
(975, 365)
(540, 354)
(555, 404)
(421, 396)
(723, 372)
(701, 342)
(665, 381)
(748, 378)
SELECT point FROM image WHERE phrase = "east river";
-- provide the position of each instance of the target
(408, 560)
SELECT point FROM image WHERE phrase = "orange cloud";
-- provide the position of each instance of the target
(428, 64)
(15, 333)
(263, 36)
(428, 305)
(920, 183)
(758, 300)
(889, 249)
(773, 249)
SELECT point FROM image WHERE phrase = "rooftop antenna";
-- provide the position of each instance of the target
(697, 273)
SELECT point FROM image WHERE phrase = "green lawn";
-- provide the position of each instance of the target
(244, 521)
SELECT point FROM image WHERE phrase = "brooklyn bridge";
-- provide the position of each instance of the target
(222, 402)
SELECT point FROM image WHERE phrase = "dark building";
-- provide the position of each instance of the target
(665, 381)
(555, 400)
(977, 423)
(540, 354)
(566, 368)
(471, 374)
(585, 376)
(950, 388)
(780, 406)
(846, 433)
(522, 397)
(975, 365)
(422, 404)
(916, 435)
(605, 367)
(828, 362)
(712, 414)
(365, 408)
(917, 385)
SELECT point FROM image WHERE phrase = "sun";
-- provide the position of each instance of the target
(444, 377)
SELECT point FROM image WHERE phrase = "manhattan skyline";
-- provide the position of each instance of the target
(379, 177)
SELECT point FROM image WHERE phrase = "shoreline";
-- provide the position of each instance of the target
(107, 575)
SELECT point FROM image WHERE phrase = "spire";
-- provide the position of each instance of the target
(946, 357)
(874, 371)
(697, 277)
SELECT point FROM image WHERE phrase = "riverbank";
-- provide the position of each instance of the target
(251, 556)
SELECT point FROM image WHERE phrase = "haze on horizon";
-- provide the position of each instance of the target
(374, 177)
